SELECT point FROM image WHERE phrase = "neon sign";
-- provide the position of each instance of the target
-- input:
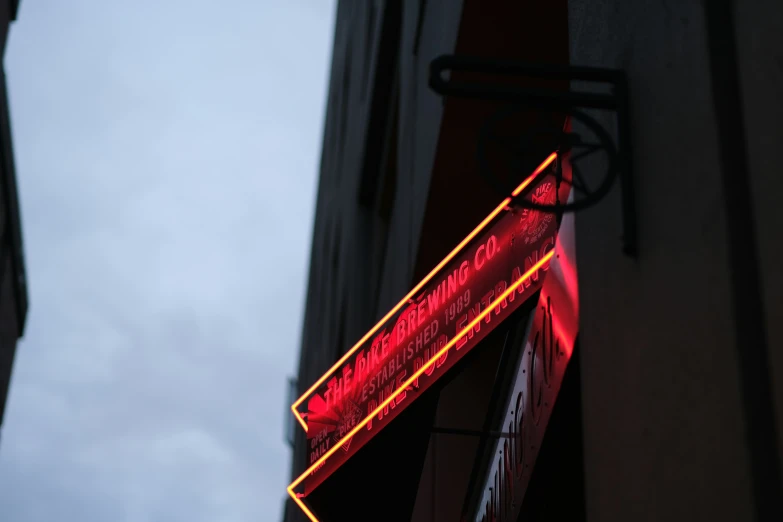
(497, 267)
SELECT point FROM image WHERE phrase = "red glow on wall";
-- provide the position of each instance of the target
(498, 266)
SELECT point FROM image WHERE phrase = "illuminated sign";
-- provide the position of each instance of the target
(498, 266)
(548, 348)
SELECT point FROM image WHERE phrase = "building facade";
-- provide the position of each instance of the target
(669, 404)
(13, 282)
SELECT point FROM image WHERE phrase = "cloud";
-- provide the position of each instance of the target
(167, 154)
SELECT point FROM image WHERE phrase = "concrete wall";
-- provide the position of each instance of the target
(8, 11)
(662, 411)
(9, 332)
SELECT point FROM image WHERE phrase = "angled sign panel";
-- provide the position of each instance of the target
(496, 268)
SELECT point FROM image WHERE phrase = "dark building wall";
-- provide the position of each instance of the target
(658, 367)
(663, 412)
(13, 285)
(760, 47)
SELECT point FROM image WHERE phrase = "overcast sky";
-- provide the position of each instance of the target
(166, 154)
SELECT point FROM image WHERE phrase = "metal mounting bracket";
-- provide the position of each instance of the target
(568, 101)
